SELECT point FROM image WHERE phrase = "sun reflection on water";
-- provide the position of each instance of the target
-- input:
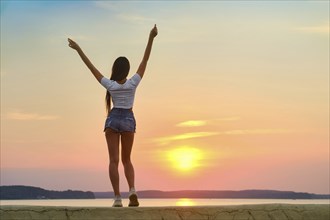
(185, 202)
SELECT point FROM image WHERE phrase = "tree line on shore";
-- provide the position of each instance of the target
(30, 192)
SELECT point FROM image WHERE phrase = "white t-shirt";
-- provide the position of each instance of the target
(122, 94)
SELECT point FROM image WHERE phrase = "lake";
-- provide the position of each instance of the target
(158, 202)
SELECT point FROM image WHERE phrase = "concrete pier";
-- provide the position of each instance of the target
(240, 212)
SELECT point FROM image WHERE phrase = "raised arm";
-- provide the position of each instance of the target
(143, 64)
(88, 63)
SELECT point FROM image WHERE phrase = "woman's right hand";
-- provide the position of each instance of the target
(73, 44)
(154, 32)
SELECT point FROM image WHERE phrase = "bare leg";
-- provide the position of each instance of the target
(113, 148)
(127, 139)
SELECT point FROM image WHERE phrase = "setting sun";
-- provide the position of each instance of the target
(185, 158)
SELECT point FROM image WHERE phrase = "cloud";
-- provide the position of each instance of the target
(17, 115)
(192, 123)
(184, 136)
(134, 18)
(255, 131)
(130, 15)
(107, 5)
(199, 123)
(321, 29)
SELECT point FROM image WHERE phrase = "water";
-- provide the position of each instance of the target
(158, 202)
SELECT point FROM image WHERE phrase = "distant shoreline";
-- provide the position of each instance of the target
(219, 194)
(29, 192)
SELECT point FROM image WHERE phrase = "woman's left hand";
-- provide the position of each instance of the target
(154, 32)
(73, 44)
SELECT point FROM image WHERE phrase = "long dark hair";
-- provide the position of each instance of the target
(120, 69)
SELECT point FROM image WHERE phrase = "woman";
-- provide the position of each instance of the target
(120, 123)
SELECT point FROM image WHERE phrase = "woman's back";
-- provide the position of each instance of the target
(122, 94)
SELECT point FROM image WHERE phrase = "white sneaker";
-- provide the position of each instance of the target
(133, 199)
(117, 202)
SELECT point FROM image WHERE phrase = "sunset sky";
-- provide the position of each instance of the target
(235, 96)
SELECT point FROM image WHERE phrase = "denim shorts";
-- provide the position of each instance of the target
(120, 120)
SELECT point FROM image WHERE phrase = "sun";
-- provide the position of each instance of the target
(185, 158)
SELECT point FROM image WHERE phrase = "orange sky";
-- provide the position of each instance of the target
(236, 94)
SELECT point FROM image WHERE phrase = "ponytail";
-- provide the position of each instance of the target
(108, 102)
